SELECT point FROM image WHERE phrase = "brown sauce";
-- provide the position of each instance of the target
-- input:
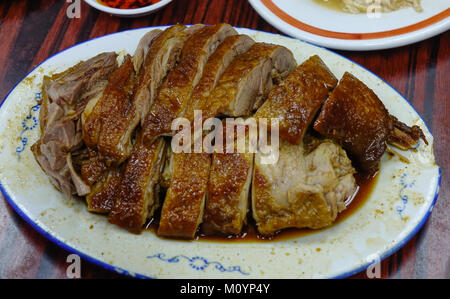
(250, 233)
(127, 4)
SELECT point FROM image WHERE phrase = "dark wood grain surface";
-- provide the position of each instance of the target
(33, 30)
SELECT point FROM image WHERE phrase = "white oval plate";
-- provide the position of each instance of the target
(399, 205)
(137, 12)
(312, 22)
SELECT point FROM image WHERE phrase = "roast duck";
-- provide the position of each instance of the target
(106, 130)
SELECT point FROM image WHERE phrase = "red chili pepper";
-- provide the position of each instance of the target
(127, 4)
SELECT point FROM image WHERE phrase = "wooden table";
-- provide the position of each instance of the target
(33, 30)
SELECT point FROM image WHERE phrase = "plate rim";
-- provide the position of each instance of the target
(128, 12)
(390, 42)
(35, 225)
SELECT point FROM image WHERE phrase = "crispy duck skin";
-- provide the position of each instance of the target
(248, 80)
(176, 90)
(102, 197)
(136, 198)
(115, 109)
(354, 117)
(297, 99)
(227, 200)
(92, 167)
(182, 211)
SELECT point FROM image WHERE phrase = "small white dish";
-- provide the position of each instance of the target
(314, 23)
(136, 12)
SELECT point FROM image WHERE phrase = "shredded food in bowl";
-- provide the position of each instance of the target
(359, 6)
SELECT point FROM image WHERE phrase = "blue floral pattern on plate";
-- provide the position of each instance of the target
(29, 123)
(198, 263)
(403, 197)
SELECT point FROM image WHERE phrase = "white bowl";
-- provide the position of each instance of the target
(136, 12)
(316, 24)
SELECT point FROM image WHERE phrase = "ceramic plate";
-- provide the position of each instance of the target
(137, 12)
(315, 23)
(399, 205)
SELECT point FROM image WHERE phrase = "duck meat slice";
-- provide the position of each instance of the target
(187, 174)
(66, 89)
(103, 127)
(231, 173)
(111, 121)
(102, 197)
(52, 161)
(143, 48)
(301, 190)
(136, 196)
(175, 93)
(249, 78)
(296, 101)
(160, 59)
(182, 211)
(64, 96)
(231, 47)
(355, 117)
(149, 155)
(82, 189)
